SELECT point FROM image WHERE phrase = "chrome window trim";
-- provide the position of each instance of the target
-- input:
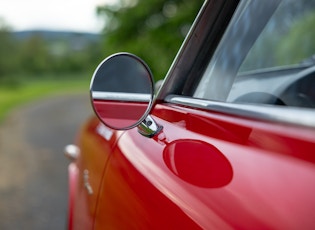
(279, 114)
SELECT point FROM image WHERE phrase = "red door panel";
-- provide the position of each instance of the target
(95, 142)
(211, 171)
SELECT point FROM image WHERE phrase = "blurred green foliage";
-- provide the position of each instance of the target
(37, 56)
(153, 30)
(299, 41)
(8, 59)
(288, 39)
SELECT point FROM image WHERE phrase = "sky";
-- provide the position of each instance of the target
(66, 15)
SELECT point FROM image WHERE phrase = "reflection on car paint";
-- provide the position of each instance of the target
(198, 163)
(104, 131)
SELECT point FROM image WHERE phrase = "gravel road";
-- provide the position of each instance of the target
(33, 170)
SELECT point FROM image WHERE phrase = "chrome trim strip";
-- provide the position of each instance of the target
(113, 96)
(289, 115)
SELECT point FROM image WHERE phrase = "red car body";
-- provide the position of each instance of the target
(223, 167)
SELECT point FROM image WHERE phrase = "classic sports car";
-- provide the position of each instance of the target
(228, 140)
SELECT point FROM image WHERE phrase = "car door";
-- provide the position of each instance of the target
(223, 160)
(95, 142)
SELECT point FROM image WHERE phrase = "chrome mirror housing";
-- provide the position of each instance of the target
(122, 91)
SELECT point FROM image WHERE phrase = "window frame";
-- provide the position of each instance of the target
(197, 48)
(189, 65)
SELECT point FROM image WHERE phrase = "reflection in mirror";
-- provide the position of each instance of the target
(122, 91)
(198, 163)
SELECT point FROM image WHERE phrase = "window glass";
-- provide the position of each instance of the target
(267, 56)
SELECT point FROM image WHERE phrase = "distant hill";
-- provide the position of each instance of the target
(56, 35)
(60, 42)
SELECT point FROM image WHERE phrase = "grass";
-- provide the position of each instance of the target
(14, 96)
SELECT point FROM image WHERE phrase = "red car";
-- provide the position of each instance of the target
(227, 142)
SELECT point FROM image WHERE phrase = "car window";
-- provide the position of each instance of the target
(266, 56)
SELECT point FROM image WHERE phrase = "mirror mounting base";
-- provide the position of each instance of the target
(149, 128)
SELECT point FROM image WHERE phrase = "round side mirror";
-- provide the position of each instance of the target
(122, 91)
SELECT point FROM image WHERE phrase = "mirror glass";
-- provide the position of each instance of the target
(122, 91)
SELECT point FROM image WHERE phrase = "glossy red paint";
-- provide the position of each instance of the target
(273, 169)
(268, 180)
(192, 160)
(96, 142)
(120, 114)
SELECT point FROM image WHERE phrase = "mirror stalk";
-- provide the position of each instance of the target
(148, 127)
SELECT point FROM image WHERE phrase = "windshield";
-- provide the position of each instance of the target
(263, 36)
(289, 34)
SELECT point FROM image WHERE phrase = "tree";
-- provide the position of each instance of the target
(299, 41)
(7, 50)
(153, 30)
(35, 57)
